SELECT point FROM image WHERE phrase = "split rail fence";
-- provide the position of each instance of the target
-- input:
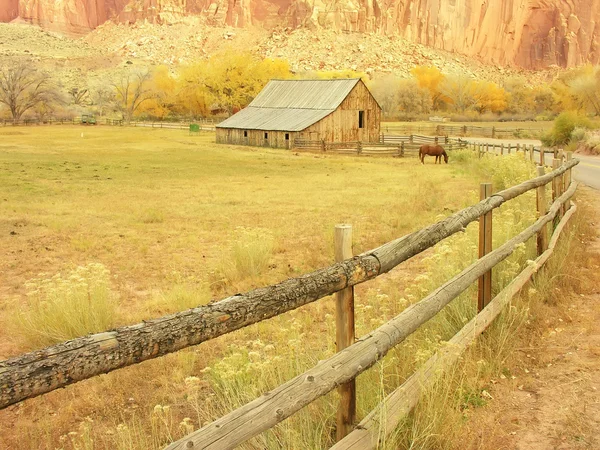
(537, 154)
(388, 145)
(459, 130)
(203, 124)
(54, 367)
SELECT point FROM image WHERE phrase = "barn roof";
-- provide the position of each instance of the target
(291, 105)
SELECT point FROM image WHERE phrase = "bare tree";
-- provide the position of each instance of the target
(22, 88)
(79, 96)
(131, 90)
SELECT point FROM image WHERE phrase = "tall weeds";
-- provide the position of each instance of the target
(64, 307)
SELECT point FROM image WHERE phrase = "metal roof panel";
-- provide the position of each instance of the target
(305, 94)
(275, 119)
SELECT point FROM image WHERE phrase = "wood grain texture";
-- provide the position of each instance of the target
(273, 407)
(344, 325)
(541, 203)
(484, 293)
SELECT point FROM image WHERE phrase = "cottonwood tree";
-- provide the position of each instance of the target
(586, 88)
(23, 87)
(230, 80)
(460, 91)
(132, 89)
(431, 78)
(79, 96)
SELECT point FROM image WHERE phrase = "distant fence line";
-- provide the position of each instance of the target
(206, 124)
(458, 130)
(388, 145)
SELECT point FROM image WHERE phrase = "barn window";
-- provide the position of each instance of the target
(245, 133)
(266, 135)
(361, 119)
(287, 136)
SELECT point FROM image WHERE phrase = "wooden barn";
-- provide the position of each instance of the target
(316, 110)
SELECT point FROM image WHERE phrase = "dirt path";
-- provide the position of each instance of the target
(551, 398)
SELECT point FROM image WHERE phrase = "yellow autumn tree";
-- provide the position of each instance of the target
(230, 80)
(489, 97)
(164, 100)
(430, 78)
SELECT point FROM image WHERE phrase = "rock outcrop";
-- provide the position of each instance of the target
(9, 10)
(527, 33)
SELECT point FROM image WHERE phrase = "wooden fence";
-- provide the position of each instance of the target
(388, 145)
(537, 154)
(42, 371)
(459, 130)
(32, 122)
(204, 124)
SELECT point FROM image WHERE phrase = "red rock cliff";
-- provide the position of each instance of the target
(9, 10)
(528, 33)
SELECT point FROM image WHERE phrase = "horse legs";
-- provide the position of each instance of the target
(422, 156)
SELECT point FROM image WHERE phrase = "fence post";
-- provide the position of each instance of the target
(532, 152)
(401, 148)
(410, 138)
(502, 149)
(359, 147)
(485, 246)
(435, 140)
(344, 325)
(518, 148)
(542, 162)
(567, 180)
(323, 145)
(556, 187)
(542, 236)
(493, 132)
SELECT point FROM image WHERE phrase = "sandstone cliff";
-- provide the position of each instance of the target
(526, 33)
(9, 10)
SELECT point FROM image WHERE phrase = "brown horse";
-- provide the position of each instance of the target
(433, 150)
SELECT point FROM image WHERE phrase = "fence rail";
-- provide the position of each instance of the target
(388, 145)
(57, 366)
(204, 124)
(459, 130)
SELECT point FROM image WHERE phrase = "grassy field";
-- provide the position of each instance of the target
(153, 221)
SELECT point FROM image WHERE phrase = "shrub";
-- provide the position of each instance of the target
(62, 308)
(563, 126)
(578, 134)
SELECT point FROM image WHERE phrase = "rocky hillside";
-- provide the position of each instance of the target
(526, 33)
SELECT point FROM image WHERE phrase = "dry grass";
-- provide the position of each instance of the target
(97, 199)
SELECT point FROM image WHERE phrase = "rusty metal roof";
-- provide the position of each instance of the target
(291, 105)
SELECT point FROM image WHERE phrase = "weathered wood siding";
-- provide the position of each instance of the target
(256, 138)
(342, 124)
